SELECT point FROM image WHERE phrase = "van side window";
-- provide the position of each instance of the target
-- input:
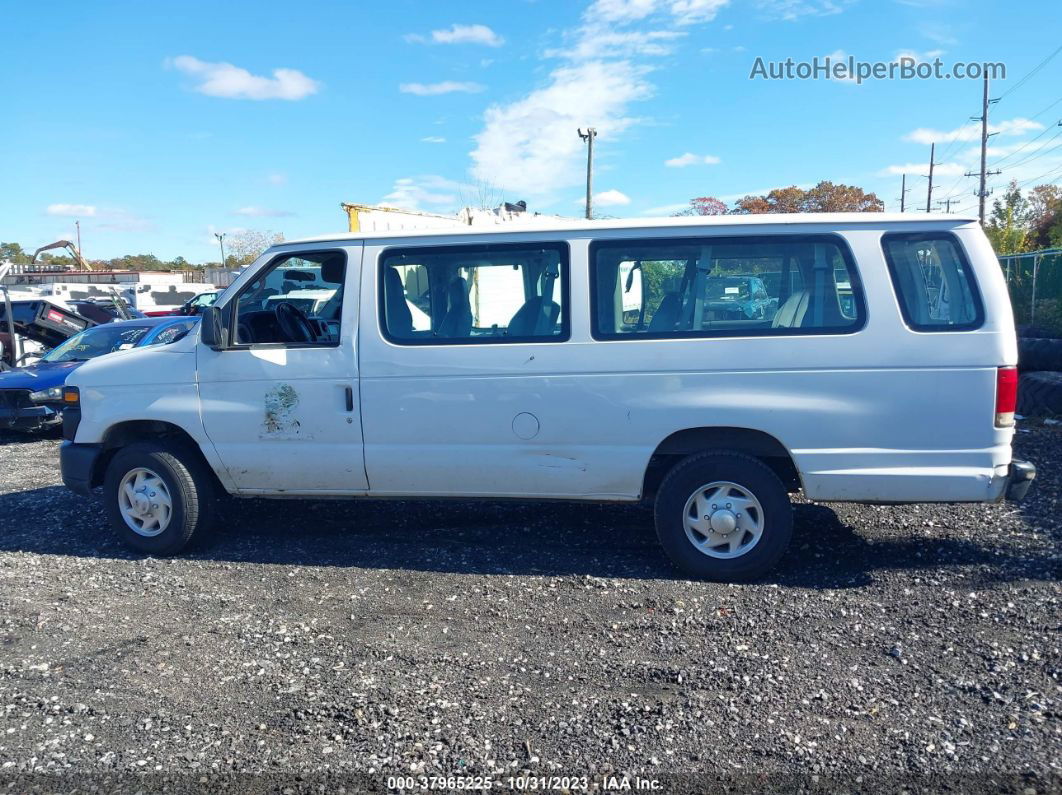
(933, 280)
(296, 300)
(475, 294)
(725, 286)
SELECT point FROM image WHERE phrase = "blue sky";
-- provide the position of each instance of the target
(158, 124)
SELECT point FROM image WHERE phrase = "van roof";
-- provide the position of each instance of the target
(579, 225)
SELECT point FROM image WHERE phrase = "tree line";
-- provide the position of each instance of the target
(825, 197)
(1026, 222)
(241, 248)
(1018, 221)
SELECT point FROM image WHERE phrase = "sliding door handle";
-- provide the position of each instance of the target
(350, 398)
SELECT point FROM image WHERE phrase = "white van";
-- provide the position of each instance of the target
(713, 365)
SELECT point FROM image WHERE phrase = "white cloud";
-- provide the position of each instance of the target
(225, 80)
(682, 12)
(434, 89)
(791, 10)
(971, 132)
(609, 198)
(467, 34)
(72, 210)
(601, 43)
(918, 57)
(410, 193)
(277, 179)
(690, 159)
(531, 145)
(921, 169)
(433, 139)
(262, 212)
(691, 12)
(621, 10)
(114, 219)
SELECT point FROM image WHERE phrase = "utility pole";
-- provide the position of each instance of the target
(221, 242)
(929, 193)
(946, 203)
(589, 134)
(903, 193)
(982, 192)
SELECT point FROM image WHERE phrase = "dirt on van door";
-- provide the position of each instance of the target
(314, 646)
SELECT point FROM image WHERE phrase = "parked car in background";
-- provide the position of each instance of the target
(739, 298)
(157, 300)
(31, 397)
(195, 306)
(105, 311)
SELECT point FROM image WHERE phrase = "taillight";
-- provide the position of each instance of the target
(1006, 396)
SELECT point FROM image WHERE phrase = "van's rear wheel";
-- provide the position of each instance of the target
(723, 516)
(158, 496)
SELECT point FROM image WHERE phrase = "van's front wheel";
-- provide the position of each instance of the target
(157, 496)
(723, 516)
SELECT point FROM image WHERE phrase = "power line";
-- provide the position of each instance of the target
(1045, 174)
(1027, 143)
(1042, 112)
(1039, 152)
(1028, 76)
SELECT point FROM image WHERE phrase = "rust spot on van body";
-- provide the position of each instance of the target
(280, 404)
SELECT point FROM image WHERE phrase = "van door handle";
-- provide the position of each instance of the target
(350, 398)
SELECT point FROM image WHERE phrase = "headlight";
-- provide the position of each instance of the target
(51, 395)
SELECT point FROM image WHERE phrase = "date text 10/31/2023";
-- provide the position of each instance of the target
(523, 783)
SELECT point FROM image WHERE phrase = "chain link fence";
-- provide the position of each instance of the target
(1035, 284)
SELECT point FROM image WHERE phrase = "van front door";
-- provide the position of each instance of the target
(280, 402)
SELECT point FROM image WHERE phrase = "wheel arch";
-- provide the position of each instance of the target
(127, 432)
(691, 441)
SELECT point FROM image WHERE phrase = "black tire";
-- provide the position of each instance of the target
(188, 482)
(692, 473)
(1040, 394)
(1036, 354)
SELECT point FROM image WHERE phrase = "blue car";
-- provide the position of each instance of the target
(31, 397)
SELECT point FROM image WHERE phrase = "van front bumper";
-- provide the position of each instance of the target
(78, 465)
(1019, 479)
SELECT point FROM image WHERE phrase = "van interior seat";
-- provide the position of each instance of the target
(536, 318)
(457, 322)
(791, 313)
(399, 318)
(666, 316)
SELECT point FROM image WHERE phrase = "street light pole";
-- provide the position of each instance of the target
(221, 242)
(589, 134)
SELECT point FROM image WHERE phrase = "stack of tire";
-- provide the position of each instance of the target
(1040, 362)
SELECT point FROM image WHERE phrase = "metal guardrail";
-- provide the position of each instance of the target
(1034, 280)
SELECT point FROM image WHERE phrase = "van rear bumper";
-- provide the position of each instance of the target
(1019, 479)
(939, 478)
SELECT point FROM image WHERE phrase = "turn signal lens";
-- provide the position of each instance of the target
(71, 395)
(1006, 396)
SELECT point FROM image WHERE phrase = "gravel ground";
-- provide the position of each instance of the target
(312, 646)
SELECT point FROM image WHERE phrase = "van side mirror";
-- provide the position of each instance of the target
(212, 331)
